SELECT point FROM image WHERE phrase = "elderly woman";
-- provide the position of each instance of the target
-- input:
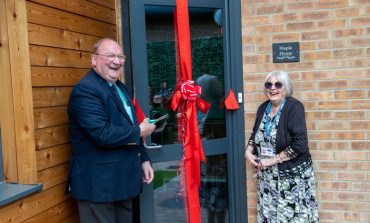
(278, 148)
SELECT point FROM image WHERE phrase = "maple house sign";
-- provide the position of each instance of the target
(285, 52)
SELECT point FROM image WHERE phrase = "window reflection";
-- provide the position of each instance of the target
(213, 193)
(214, 189)
(207, 59)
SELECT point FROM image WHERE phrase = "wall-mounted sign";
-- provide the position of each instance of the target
(285, 52)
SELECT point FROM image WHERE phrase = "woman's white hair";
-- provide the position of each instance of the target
(284, 78)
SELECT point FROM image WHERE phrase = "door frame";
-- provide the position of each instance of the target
(233, 65)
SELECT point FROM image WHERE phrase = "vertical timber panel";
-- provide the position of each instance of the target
(6, 103)
(22, 90)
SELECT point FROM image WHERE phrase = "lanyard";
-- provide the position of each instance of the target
(269, 126)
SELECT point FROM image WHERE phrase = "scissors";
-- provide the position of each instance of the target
(153, 121)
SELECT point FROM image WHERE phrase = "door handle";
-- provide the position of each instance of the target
(153, 146)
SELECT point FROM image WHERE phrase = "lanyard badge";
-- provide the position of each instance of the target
(269, 126)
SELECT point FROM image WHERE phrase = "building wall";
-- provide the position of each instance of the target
(61, 36)
(332, 80)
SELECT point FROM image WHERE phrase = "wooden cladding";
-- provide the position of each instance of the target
(45, 49)
(48, 36)
(85, 8)
(43, 15)
(17, 91)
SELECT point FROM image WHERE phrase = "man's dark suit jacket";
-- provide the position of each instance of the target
(107, 150)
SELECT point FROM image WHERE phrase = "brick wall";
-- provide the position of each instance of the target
(332, 80)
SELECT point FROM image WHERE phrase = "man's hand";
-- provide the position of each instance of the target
(146, 128)
(148, 172)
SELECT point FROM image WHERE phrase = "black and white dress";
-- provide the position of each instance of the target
(284, 196)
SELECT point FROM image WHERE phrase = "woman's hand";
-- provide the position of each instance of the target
(250, 158)
(266, 163)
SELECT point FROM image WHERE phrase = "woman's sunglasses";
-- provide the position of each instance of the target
(278, 85)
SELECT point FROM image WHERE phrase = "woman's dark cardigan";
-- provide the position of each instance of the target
(291, 133)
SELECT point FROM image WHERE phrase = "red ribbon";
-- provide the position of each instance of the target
(185, 101)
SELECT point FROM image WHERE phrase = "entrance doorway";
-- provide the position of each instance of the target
(216, 69)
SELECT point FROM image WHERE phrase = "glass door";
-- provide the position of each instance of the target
(154, 69)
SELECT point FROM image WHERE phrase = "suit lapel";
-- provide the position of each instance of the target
(103, 83)
(132, 106)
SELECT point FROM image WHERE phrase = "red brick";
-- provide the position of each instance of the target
(363, 206)
(350, 74)
(303, 85)
(264, 49)
(315, 35)
(350, 94)
(363, 145)
(330, 165)
(322, 186)
(312, 145)
(352, 135)
(351, 176)
(333, 105)
(285, 37)
(318, 55)
(331, 4)
(321, 135)
(328, 215)
(317, 75)
(348, 53)
(331, 24)
(350, 156)
(282, 18)
(360, 125)
(322, 155)
(299, 26)
(255, 39)
(331, 44)
(334, 64)
(349, 12)
(361, 186)
(364, 165)
(318, 115)
(360, 83)
(271, 9)
(301, 66)
(269, 29)
(360, 104)
(348, 32)
(317, 95)
(316, 15)
(307, 46)
(360, 42)
(349, 115)
(360, 21)
(324, 176)
(326, 195)
(334, 145)
(253, 59)
(309, 105)
(352, 196)
(300, 6)
(358, 62)
(267, 68)
(254, 20)
(256, 97)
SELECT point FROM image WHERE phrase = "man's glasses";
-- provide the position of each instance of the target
(278, 85)
(112, 57)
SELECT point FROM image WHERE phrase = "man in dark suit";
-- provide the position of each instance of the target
(109, 161)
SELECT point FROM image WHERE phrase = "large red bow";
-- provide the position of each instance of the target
(191, 92)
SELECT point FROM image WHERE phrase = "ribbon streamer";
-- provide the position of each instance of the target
(185, 101)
